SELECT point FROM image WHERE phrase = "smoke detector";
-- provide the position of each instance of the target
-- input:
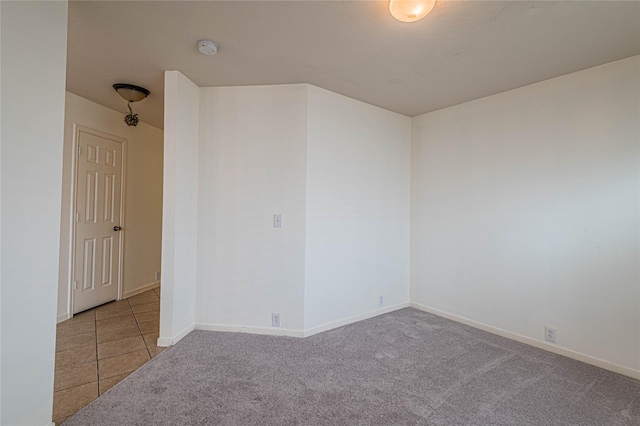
(207, 47)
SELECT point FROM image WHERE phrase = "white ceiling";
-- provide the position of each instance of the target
(462, 51)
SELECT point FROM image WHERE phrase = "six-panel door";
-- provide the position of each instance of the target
(98, 199)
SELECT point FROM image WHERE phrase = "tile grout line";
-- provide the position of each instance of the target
(140, 331)
(97, 360)
(73, 365)
(95, 329)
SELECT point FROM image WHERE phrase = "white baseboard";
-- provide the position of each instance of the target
(183, 333)
(142, 289)
(147, 287)
(165, 342)
(578, 356)
(350, 320)
(275, 331)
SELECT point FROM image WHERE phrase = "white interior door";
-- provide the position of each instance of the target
(96, 269)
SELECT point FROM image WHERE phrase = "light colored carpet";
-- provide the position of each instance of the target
(403, 368)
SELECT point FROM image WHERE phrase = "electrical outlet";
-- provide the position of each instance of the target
(275, 319)
(157, 275)
(550, 334)
(381, 300)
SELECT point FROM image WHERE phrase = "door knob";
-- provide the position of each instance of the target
(116, 228)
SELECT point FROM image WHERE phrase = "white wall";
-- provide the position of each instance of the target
(525, 211)
(180, 208)
(357, 233)
(252, 166)
(143, 203)
(338, 172)
(33, 82)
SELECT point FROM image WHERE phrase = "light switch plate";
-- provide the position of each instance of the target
(277, 221)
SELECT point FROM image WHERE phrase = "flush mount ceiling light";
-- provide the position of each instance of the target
(131, 93)
(410, 10)
(207, 47)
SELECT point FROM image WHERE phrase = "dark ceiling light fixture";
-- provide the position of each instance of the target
(131, 93)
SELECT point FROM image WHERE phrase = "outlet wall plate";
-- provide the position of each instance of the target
(550, 334)
(275, 319)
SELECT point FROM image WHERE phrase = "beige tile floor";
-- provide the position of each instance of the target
(99, 347)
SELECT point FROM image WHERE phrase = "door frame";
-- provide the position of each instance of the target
(77, 129)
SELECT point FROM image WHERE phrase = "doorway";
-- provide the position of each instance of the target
(97, 237)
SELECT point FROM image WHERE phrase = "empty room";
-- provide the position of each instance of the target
(332, 212)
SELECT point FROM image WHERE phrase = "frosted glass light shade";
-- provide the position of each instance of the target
(410, 10)
(130, 92)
